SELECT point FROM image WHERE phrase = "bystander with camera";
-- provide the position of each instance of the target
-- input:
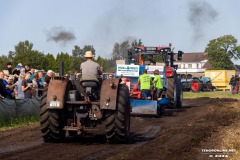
(26, 86)
(35, 82)
(10, 86)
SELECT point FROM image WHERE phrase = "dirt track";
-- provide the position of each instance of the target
(202, 123)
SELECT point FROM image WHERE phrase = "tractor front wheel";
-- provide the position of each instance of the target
(196, 85)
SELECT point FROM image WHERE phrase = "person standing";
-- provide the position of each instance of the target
(3, 91)
(32, 71)
(158, 86)
(18, 88)
(26, 86)
(110, 76)
(9, 67)
(27, 68)
(35, 82)
(48, 77)
(145, 84)
(16, 72)
(238, 82)
(40, 83)
(10, 87)
(232, 83)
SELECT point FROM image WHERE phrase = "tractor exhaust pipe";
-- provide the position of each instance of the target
(61, 68)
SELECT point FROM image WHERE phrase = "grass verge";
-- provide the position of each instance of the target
(18, 121)
(215, 94)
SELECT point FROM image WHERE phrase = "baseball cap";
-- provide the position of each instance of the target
(18, 66)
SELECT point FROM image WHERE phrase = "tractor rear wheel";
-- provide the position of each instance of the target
(51, 121)
(170, 88)
(118, 121)
(196, 85)
(179, 93)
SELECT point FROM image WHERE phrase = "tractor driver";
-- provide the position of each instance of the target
(145, 84)
(90, 69)
(152, 62)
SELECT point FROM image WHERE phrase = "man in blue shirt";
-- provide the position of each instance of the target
(41, 83)
(3, 92)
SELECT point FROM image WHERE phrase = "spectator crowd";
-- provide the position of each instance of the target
(22, 82)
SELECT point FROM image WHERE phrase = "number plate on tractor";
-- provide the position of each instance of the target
(54, 104)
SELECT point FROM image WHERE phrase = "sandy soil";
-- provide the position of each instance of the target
(202, 124)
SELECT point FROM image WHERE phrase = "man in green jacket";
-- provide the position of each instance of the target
(145, 84)
(158, 86)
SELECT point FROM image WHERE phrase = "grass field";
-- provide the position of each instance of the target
(215, 94)
(18, 122)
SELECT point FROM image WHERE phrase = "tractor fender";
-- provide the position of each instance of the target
(109, 93)
(56, 92)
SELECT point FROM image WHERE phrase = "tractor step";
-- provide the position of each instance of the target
(71, 128)
(82, 102)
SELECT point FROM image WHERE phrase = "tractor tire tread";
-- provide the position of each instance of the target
(115, 123)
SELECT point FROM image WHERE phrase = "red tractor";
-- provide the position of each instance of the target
(137, 62)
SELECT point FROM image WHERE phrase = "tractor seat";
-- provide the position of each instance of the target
(89, 83)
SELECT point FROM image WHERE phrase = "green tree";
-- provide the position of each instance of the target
(50, 63)
(25, 54)
(137, 43)
(116, 51)
(21, 53)
(36, 60)
(238, 67)
(66, 58)
(103, 63)
(77, 58)
(221, 51)
(111, 65)
(88, 48)
(120, 50)
(3, 62)
(77, 51)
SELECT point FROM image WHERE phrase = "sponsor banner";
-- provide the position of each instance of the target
(128, 70)
(151, 69)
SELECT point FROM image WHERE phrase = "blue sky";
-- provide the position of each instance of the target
(101, 23)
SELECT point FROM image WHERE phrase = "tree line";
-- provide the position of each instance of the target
(25, 54)
(220, 51)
